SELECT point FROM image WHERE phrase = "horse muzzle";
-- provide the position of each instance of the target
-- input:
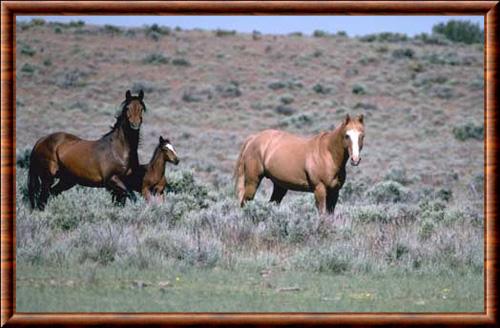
(355, 162)
(135, 126)
(176, 161)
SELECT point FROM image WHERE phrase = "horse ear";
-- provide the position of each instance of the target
(128, 95)
(161, 140)
(347, 119)
(141, 95)
(361, 118)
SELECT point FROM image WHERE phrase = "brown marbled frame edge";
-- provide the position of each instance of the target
(9, 9)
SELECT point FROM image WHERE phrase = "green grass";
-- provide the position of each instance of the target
(110, 289)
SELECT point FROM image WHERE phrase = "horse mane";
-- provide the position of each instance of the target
(157, 149)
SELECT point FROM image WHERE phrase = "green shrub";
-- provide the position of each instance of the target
(298, 120)
(193, 94)
(155, 31)
(258, 210)
(352, 191)
(37, 22)
(365, 106)
(387, 192)
(111, 29)
(371, 213)
(469, 130)
(71, 79)
(320, 34)
(398, 174)
(322, 89)
(28, 69)
(77, 24)
(183, 182)
(434, 39)
(322, 259)
(426, 229)
(180, 62)
(27, 50)
(287, 99)
(221, 33)
(384, 37)
(285, 110)
(276, 85)
(23, 158)
(358, 89)
(460, 31)
(443, 92)
(155, 59)
(229, 90)
(403, 53)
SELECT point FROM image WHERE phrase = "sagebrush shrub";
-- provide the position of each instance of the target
(388, 191)
(469, 130)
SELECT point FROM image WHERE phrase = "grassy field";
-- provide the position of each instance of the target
(408, 231)
(167, 289)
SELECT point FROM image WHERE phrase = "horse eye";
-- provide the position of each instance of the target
(346, 136)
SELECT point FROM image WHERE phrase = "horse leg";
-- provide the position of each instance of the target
(146, 193)
(63, 185)
(47, 175)
(320, 196)
(278, 193)
(253, 176)
(331, 200)
(47, 181)
(119, 189)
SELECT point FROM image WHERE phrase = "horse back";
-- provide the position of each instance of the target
(46, 147)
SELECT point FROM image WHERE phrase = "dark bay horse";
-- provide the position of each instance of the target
(315, 164)
(97, 163)
(149, 179)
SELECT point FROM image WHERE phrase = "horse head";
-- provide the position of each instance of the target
(168, 151)
(354, 133)
(133, 108)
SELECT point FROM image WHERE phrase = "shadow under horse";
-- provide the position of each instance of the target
(98, 163)
(291, 162)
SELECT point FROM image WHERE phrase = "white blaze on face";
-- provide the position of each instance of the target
(169, 146)
(354, 135)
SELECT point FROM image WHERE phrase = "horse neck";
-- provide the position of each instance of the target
(335, 145)
(126, 137)
(157, 163)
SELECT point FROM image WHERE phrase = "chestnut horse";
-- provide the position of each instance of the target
(315, 164)
(99, 163)
(149, 179)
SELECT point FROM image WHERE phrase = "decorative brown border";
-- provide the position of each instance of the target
(9, 9)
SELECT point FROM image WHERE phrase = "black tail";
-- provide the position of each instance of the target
(33, 184)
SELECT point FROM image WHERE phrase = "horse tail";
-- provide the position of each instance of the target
(239, 172)
(33, 182)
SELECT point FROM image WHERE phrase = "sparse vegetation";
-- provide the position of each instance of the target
(358, 89)
(403, 53)
(222, 33)
(469, 131)
(156, 59)
(320, 34)
(384, 37)
(180, 62)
